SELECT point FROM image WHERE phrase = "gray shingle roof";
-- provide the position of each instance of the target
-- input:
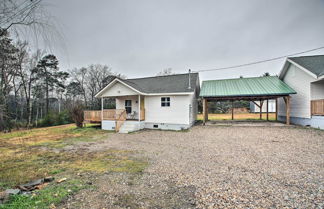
(314, 64)
(164, 84)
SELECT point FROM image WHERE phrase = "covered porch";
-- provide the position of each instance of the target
(127, 108)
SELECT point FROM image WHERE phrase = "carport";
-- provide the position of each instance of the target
(250, 89)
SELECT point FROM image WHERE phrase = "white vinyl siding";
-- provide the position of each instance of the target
(177, 113)
(272, 106)
(317, 90)
(300, 81)
(118, 89)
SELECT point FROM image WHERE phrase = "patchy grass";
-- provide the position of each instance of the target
(50, 196)
(51, 135)
(127, 201)
(238, 116)
(31, 154)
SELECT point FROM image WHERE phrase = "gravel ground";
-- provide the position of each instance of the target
(215, 167)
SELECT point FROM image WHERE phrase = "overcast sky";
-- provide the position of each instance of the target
(142, 37)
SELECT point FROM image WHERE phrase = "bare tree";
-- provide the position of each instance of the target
(19, 13)
(79, 76)
(30, 20)
(28, 77)
(166, 71)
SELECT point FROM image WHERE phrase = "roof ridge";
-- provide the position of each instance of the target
(160, 76)
(241, 78)
(318, 55)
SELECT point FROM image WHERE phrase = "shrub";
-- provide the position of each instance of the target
(76, 113)
(55, 119)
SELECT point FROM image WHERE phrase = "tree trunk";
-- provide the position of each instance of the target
(30, 108)
(37, 110)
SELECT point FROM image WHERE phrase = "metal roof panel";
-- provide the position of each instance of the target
(256, 86)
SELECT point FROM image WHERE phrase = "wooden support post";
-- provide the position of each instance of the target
(287, 100)
(267, 109)
(139, 108)
(261, 103)
(205, 111)
(276, 109)
(232, 109)
(102, 107)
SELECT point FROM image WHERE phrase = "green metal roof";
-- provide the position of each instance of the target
(257, 86)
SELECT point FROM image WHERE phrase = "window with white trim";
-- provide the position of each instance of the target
(165, 101)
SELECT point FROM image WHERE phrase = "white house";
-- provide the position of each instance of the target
(271, 108)
(161, 102)
(306, 76)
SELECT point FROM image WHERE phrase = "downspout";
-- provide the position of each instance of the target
(189, 86)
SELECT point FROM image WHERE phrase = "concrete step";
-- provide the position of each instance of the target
(128, 127)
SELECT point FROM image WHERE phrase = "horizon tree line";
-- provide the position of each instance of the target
(32, 86)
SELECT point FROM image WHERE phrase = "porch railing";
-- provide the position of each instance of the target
(92, 115)
(120, 120)
(108, 114)
(317, 107)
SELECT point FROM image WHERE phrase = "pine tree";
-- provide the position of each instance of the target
(51, 78)
(8, 71)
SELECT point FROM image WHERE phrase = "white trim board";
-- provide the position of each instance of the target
(286, 65)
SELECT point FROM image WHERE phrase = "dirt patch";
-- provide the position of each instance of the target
(121, 190)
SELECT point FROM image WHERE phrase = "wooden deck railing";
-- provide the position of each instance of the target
(117, 115)
(109, 114)
(120, 120)
(92, 115)
(317, 107)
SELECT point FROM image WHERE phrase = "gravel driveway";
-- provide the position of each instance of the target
(220, 167)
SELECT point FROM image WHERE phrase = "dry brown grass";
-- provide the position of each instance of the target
(238, 116)
(30, 154)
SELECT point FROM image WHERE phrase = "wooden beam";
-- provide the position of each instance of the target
(232, 109)
(256, 104)
(276, 109)
(246, 98)
(267, 109)
(287, 99)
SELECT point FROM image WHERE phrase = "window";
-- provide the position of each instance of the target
(165, 101)
(128, 106)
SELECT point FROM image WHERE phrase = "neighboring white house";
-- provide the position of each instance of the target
(271, 108)
(306, 76)
(161, 102)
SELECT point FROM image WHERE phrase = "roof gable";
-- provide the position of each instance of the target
(257, 86)
(314, 64)
(117, 88)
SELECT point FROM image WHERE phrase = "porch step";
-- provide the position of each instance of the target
(129, 126)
